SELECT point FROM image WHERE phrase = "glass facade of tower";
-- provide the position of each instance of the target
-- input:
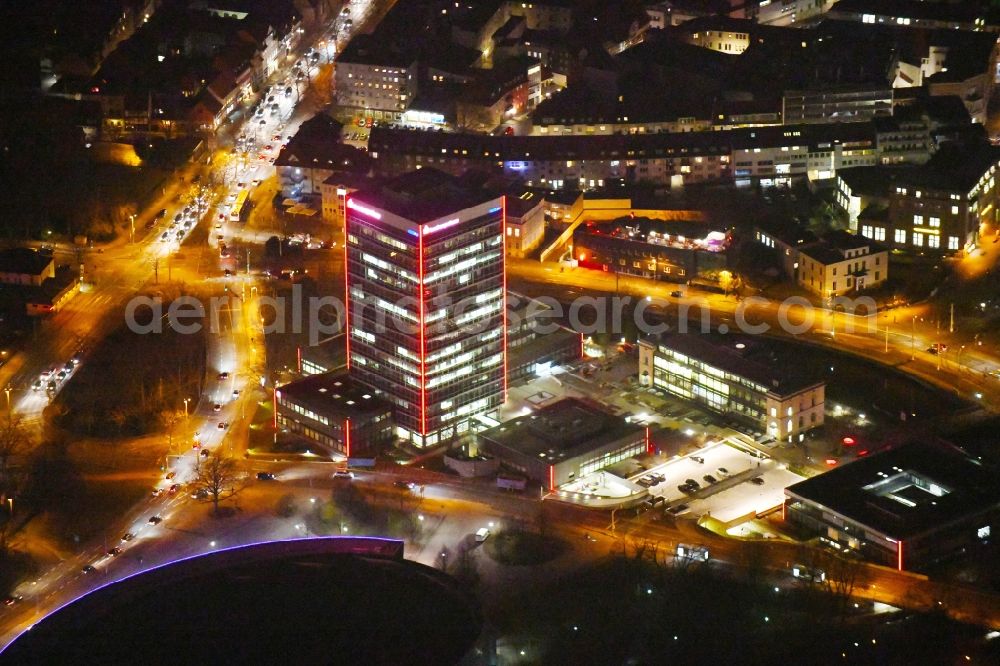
(426, 314)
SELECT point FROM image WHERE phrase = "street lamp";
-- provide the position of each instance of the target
(131, 219)
(186, 401)
(7, 391)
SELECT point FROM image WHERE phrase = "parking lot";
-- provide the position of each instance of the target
(725, 488)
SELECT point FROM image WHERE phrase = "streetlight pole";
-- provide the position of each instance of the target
(7, 391)
(913, 337)
(186, 401)
(131, 219)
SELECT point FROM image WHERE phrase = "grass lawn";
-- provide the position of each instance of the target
(523, 548)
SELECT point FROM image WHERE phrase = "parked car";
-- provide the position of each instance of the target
(722, 471)
(709, 478)
(678, 509)
(757, 481)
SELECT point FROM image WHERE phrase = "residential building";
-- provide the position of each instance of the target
(372, 75)
(425, 288)
(861, 188)
(948, 204)
(969, 16)
(786, 12)
(336, 413)
(563, 441)
(313, 155)
(525, 222)
(905, 508)
(765, 155)
(734, 377)
(842, 264)
(718, 33)
(786, 238)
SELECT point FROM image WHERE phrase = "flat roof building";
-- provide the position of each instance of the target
(563, 441)
(905, 508)
(337, 413)
(732, 378)
(425, 284)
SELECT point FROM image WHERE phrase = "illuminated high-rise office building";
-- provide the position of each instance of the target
(426, 286)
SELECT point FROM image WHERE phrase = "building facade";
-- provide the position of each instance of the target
(905, 508)
(842, 265)
(425, 292)
(727, 380)
(336, 413)
(563, 441)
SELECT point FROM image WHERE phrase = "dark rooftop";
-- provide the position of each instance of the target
(740, 356)
(831, 249)
(23, 260)
(317, 145)
(955, 167)
(911, 9)
(871, 180)
(333, 393)
(906, 491)
(559, 431)
(424, 194)
(263, 603)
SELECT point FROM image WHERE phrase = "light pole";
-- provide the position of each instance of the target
(913, 337)
(131, 219)
(7, 391)
(186, 401)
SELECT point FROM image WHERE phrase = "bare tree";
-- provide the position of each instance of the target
(170, 418)
(14, 441)
(219, 478)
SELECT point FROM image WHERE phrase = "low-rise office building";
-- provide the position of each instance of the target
(314, 154)
(733, 378)
(905, 508)
(563, 441)
(335, 412)
(536, 342)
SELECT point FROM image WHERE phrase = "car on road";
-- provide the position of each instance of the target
(343, 474)
(171, 475)
(692, 483)
(13, 599)
(174, 488)
(482, 534)
(408, 485)
(698, 459)
(88, 568)
(685, 488)
(205, 453)
(161, 214)
(216, 407)
(268, 147)
(155, 520)
(223, 375)
(200, 494)
(36, 385)
(114, 552)
(157, 492)
(236, 393)
(128, 536)
(265, 476)
(709, 478)
(757, 481)
(223, 425)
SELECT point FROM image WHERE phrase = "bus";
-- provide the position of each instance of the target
(238, 213)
